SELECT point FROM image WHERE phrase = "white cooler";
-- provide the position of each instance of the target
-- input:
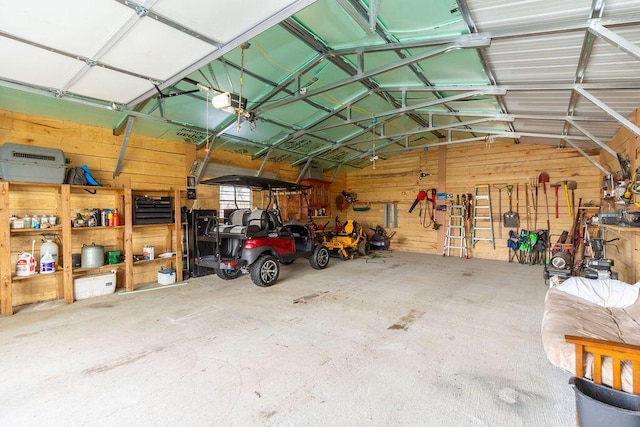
(94, 286)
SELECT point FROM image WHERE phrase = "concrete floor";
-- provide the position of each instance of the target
(400, 339)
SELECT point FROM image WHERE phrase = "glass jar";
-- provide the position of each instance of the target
(26, 220)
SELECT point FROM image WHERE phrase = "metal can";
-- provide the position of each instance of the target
(147, 252)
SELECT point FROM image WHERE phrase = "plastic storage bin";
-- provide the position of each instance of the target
(94, 286)
(166, 276)
(598, 405)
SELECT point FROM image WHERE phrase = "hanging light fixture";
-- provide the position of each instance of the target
(232, 103)
(374, 157)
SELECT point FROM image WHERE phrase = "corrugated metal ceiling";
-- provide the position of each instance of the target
(328, 82)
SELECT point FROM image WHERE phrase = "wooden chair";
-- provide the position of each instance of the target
(618, 352)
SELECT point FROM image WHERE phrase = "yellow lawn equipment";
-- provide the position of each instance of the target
(348, 241)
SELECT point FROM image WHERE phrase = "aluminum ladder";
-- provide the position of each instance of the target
(456, 237)
(482, 216)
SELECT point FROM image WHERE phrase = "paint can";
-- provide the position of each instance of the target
(147, 252)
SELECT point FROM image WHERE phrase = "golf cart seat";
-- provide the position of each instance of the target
(258, 223)
(237, 222)
(301, 235)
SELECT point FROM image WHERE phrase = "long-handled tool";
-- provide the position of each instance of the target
(534, 184)
(556, 186)
(566, 193)
(500, 187)
(543, 178)
(572, 186)
(526, 195)
(511, 219)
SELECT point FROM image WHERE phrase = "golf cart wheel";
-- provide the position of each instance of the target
(265, 270)
(228, 274)
(363, 248)
(320, 257)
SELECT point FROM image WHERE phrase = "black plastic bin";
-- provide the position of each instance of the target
(599, 406)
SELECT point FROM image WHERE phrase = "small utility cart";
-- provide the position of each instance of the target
(255, 241)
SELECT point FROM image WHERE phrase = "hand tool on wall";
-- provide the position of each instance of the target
(432, 199)
(566, 193)
(511, 219)
(518, 199)
(543, 178)
(534, 184)
(572, 186)
(420, 197)
(556, 186)
(526, 196)
(535, 208)
(500, 187)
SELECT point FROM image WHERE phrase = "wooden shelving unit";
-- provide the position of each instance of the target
(319, 202)
(64, 201)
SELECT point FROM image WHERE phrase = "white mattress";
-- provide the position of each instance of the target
(567, 314)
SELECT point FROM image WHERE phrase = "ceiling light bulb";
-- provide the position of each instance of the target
(222, 101)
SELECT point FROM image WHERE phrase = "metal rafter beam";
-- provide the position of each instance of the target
(301, 132)
(592, 137)
(383, 69)
(588, 157)
(613, 39)
(597, 9)
(272, 20)
(123, 147)
(393, 138)
(145, 10)
(471, 26)
(623, 121)
(487, 91)
(523, 87)
(342, 64)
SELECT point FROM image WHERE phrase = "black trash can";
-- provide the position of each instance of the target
(599, 406)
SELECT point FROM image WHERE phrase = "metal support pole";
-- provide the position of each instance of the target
(123, 147)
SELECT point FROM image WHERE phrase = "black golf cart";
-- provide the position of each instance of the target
(255, 241)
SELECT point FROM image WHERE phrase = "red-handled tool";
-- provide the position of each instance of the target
(422, 195)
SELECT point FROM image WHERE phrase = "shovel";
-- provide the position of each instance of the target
(511, 219)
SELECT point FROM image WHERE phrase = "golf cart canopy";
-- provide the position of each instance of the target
(255, 183)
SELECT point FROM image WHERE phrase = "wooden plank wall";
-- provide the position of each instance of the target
(457, 169)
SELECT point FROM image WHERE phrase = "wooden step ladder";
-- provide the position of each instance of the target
(456, 237)
(482, 216)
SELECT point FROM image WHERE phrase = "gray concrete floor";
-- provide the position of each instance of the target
(401, 339)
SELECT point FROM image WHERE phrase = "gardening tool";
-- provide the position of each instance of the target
(556, 186)
(511, 218)
(534, 184)
(543, 178)
(518, 199)
(566, 193)
(432, 199)
(572, 186)
(526, 196)
(422, 195)
(500, 187)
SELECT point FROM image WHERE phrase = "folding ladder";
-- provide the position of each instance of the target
(456, 237)
(482, 216)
